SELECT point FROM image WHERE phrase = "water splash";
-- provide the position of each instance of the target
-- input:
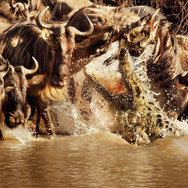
(19, 133)
(70, 119)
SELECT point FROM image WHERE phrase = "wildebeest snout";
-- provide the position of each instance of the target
(60, 76)
(59, 82)
(15, 119)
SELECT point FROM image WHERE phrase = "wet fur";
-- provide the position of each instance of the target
(15, 100)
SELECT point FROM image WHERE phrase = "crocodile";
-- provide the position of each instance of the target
(140, 117)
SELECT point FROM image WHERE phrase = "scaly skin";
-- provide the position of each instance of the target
(145, 121)
(141, 119)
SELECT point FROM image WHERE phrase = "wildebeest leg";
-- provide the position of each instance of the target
(1, 135)
(111, 38)
(27, 112)
(71, 89)
(32, 101)
(28, 15)
(38, 121)
(33, 104)
(112, 58)
(80, 93)
(43, 111)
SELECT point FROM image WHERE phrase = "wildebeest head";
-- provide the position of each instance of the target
(52, 46)
(63, 41)
(15, 84)
(153, 35)
(4, 68)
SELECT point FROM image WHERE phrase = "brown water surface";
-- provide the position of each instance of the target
(100, 159)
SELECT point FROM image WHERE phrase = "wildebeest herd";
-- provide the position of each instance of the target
(41, 51)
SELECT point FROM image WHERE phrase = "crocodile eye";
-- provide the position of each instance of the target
(136, 52)
(133, 52)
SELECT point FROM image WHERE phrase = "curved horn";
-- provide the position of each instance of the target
(56, 28)
(75, 31)
(28, 4)
(39, 19)
(12, 70)
(59, 28)
(26, 71)
(12, 5)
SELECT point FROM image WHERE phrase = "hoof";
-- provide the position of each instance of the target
(35, 134)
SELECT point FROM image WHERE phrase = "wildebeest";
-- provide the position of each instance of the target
(4, 68)
(58, 10)
(21, 9)
(164, 66)
(52, 47)
(14, 105)
(12, 12)
(107, 21)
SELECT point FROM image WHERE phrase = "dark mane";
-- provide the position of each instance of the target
(166, 65)
(22, 41)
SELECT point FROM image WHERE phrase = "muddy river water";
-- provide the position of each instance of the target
(100, 159)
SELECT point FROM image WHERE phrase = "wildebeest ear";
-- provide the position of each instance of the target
(37, 79)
